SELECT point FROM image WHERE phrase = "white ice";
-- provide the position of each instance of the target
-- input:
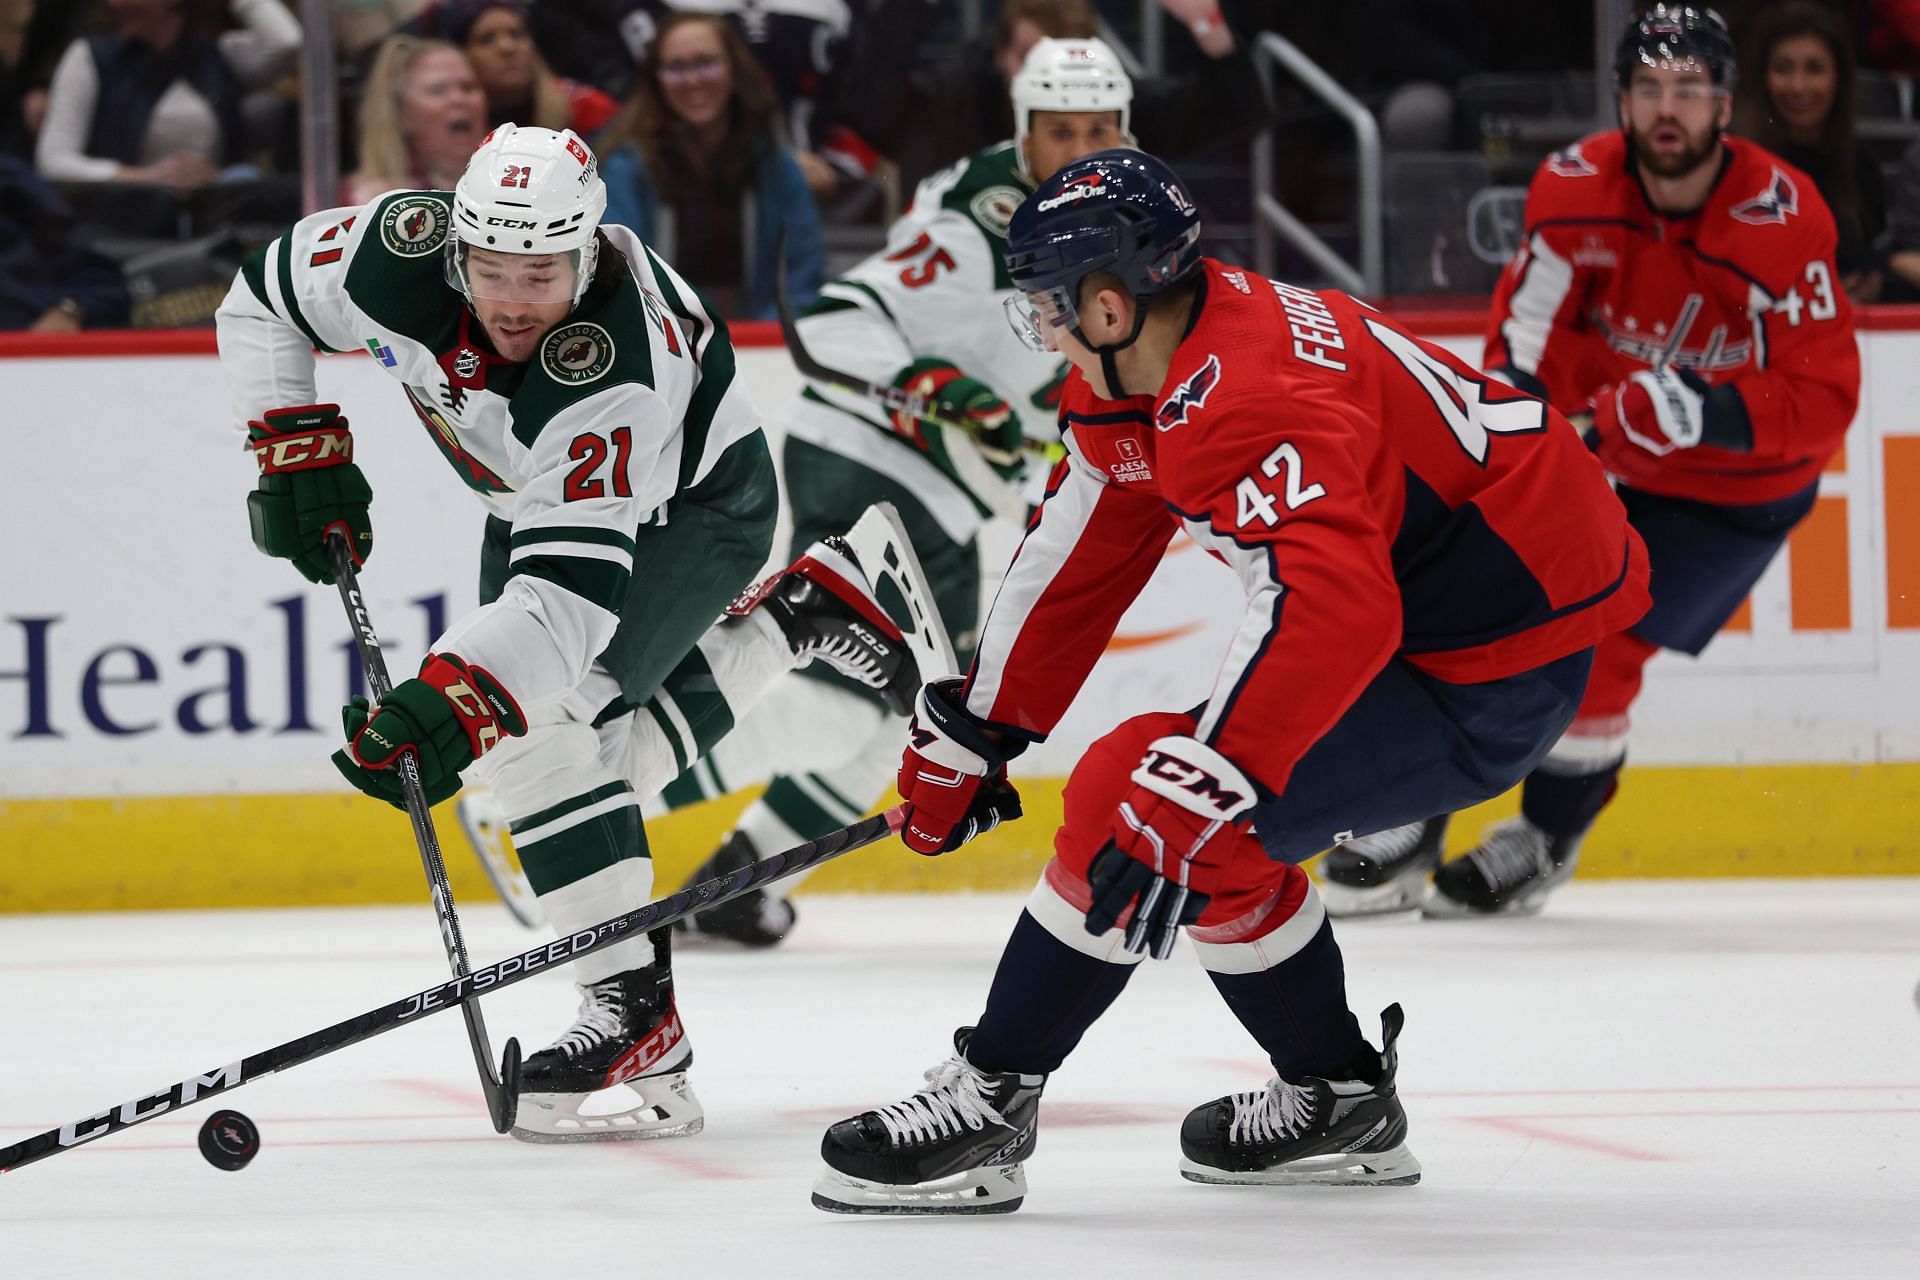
(1650, 1080)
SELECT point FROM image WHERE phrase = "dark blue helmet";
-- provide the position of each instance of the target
(1118, 211)
(1673, 35)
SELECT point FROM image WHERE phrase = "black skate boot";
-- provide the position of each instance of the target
(1319, 1132)
(1510, 872)
(756, 918)
(954, 1147)
(825, 605)
(1381, 873)
(628, 1037)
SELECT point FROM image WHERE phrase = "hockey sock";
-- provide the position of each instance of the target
(587, 859)
(731, 669)
(1297, 1010)
(1565, 804)
(1045, 995)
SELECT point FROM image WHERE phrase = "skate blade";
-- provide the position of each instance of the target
(486, 833)
(1438, 906)
(1344, 902)
(1394, 1167)
(998, 1189)
(667, 1109)
(879, 541)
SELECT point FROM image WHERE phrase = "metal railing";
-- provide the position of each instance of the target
(1271, 217)
(319, 108)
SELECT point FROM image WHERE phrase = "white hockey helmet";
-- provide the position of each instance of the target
(528, 191)
(1069, 75)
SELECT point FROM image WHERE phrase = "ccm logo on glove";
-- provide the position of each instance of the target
(1183, 780)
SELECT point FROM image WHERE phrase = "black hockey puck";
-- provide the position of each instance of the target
(228, 1140)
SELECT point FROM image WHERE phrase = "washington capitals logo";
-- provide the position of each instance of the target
(1770, 207)
(1188, 396)
(1570, 163)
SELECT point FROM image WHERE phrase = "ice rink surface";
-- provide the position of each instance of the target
(1650, 1080)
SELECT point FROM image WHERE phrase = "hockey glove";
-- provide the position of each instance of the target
(992, 425)
(953, 775)
(449, 715)
(1170, 840)
(309, 488)
(1665, 409)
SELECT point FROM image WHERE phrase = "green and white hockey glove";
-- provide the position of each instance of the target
(449, 715)
(992, 425)
(309, 488)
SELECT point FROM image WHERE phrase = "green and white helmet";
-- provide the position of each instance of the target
(1069, 75)
(529, 191)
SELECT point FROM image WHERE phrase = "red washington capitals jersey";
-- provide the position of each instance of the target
(1743, 291)
(1375, 496)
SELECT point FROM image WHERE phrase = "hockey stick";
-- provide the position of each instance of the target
(887, 396)
(502, 1089)
(463, 988)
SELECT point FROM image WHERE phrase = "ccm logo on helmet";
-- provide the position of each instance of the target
(512, 224)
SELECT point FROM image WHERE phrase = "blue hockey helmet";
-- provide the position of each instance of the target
(1676, 35)
(1119, 211)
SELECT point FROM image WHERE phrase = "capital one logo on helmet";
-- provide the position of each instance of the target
(1084, 187)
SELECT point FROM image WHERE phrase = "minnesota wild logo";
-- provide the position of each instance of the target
(414, 226)
(577, 353)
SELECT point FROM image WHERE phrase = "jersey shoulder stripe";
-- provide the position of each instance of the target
(713, 347)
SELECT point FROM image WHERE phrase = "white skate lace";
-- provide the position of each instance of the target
(602, 1013)
(1513, 853)
(1280, 1110)
(849, 657)
(1384, 848)
(955, 1095)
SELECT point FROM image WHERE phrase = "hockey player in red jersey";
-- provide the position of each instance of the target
(1428, 556)
(1679, 286)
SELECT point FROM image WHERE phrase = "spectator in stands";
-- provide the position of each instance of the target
(157, 101)
(1903, 231)
(694, 165)
(926, 118)
(1799, 106)
(50, 280)
(519, 85)
(421, 116)
(360, 25)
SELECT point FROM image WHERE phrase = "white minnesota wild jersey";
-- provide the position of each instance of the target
(628, 402)
(935, 291)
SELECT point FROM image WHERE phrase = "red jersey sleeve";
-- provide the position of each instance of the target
(1538, 336)
(1086, 556)
(1284, 500)
(1801, 395)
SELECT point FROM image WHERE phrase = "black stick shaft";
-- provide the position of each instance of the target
(459, 991)
(499, 1087)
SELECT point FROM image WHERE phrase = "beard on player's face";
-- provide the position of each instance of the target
(1668, 161)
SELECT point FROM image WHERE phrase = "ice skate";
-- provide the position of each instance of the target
(1316, 1132)
(1510, 872)
(1381, 873)
(757, 918)
(828, 605)
(628, 1043)
(955, 1147)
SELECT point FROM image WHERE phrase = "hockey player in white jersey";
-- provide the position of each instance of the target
(925, 314)
(587, 395)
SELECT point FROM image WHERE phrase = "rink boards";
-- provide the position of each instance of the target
(168, 696)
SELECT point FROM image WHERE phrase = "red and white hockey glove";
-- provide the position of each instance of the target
(1170, 840)
(449, 715)
(952, 775)
(1663, 410)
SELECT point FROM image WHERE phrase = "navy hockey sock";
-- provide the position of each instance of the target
(1563, 804)
(1298, 1012)
(1044, 997)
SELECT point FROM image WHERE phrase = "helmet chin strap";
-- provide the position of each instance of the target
(1109, 367)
